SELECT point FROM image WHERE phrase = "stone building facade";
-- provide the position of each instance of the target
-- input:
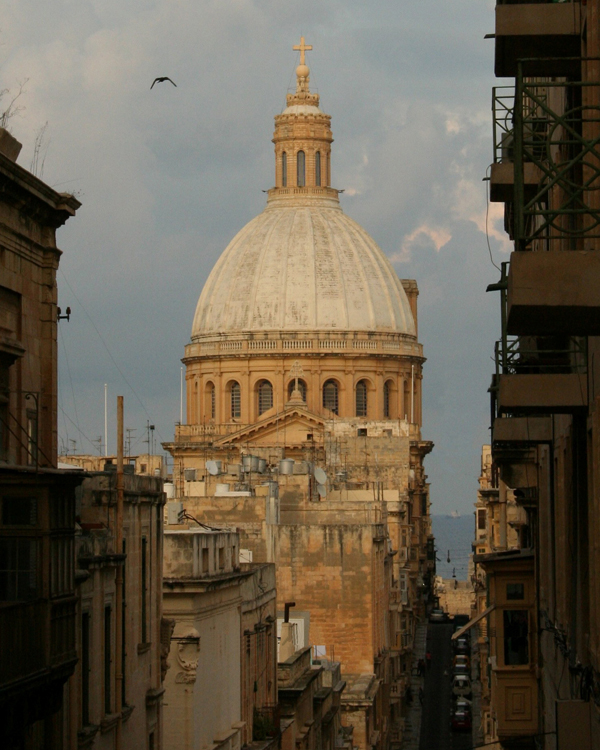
(221, 687)
(303, 381)
(38, 605)
(94, 718)
(544, 618)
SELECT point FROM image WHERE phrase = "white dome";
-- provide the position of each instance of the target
(302, 267)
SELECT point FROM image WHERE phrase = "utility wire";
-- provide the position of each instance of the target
(108, 350)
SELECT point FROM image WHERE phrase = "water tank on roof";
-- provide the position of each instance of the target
(286, 466)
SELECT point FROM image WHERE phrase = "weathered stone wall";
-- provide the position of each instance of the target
(327, 570)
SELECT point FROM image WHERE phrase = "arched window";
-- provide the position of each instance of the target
(301, 388)
(407, 414)
(236, 400)
(211, 400)
(284, 169)
(330, 396)
(361, 398)
(265, 396)
(318, 168)
(301, 168)
(387, 397)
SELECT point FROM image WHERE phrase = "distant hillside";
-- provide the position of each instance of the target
(456, 535)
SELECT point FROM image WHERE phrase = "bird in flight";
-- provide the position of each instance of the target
(161, 80)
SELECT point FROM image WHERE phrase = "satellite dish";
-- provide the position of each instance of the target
(212, 468)
(320, 475)
(322, 490)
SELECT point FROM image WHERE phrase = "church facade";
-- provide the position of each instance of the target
(303, 429)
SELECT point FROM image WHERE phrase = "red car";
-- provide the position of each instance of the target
(460, 720)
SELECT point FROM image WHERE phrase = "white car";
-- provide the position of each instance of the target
(461, 686)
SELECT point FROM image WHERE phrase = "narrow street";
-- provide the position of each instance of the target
(436, 733)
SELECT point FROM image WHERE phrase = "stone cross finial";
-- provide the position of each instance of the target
(303, 48)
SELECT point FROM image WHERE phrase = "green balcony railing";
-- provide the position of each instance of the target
(540, 355)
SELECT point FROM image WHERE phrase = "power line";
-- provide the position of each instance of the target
(107, 349)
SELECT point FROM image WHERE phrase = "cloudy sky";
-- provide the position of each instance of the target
(167, 177)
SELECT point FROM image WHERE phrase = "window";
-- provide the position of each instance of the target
(284, 169)
(301, 168)
(221, 558)
(386, 399)
(85, 668)
(330, 396)
(481, 519)
(361, 432)
(19, 511)
(265, 396)
(32, 437)
(301, 388)
(515, 591)
(107, 660)
(211, 400)
(236, 401)
(205, 559)
(18, 569)
(318, 168)
(407, 414)
(361, 398)
(143, 590)
(516, 636)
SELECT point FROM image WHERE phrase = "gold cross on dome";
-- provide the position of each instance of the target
(303, 48)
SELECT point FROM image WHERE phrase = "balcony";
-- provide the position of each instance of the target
(556, 130)
(502, 174)
(511, 430)
(554, 293)
(541, 375)
(542, 29)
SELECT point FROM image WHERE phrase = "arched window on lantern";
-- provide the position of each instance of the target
(301, 168)
(301, 388)
(330, 396)
(265, 396)
(236, 400)
(284, 169)
(361, 398)
(318, 169)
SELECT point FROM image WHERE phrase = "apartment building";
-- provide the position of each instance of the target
(544, 617)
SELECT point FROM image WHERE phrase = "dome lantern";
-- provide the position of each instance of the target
(302, 140)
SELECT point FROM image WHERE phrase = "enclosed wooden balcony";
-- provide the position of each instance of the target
(530, 30)
(554, 293)
(511, 430)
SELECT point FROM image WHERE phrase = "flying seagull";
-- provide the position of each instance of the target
(161, 80)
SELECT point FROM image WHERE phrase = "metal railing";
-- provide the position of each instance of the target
(557, 128)
(540, 355)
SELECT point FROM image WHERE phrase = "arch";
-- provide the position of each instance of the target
(301, 388)
(264, 391)
(406, 403)
(331, 393)
(390, 403)
(284, 169)
(194, 408)
(361, 392)
(301, 169)
(318, 169)
(235, 399)
(210, 400)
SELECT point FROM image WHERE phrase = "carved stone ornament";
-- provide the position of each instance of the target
(188, 650)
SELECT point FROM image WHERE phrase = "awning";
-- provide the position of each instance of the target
(472, 622)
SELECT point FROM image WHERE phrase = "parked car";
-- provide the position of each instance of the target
(461, 669)
(438, 615)
(462, 704)
(461, 659)
(461, 686)
(460, 720)
(461, 646)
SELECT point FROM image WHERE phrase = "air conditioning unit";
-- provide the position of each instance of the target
(189, 475)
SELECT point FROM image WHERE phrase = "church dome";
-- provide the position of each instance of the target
(302, 266)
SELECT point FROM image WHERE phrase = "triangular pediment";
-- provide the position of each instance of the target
(290, 427)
